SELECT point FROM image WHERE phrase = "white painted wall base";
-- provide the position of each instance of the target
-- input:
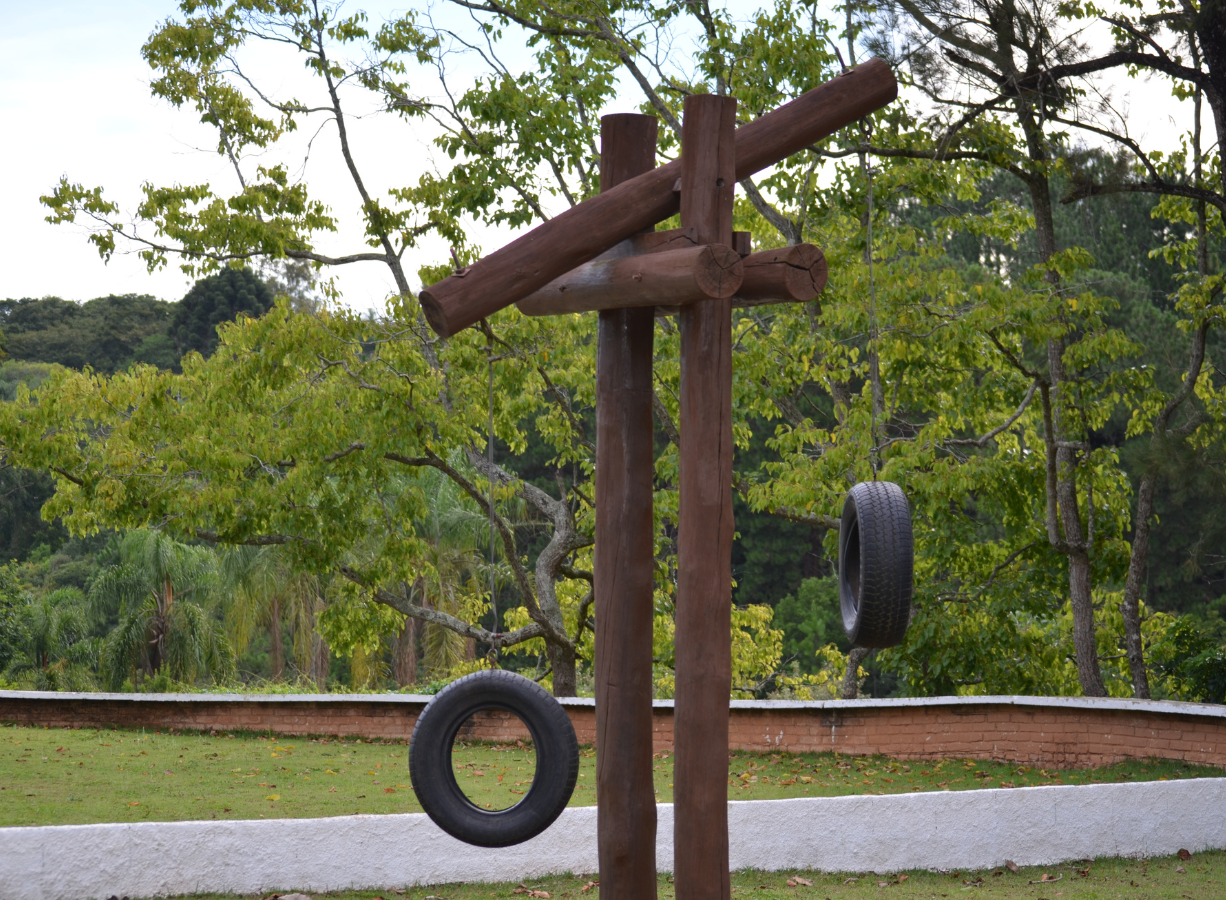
(956, 829)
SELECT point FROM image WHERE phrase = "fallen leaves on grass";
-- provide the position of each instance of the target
(529, 892)
(1047, 879)
(797, 881)
(589, 886)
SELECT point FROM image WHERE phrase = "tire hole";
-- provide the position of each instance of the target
(493, 759)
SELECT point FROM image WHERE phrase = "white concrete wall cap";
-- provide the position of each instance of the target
(975, 829)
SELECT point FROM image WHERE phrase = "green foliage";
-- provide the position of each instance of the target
(161, 589)
(213, 301)
(811, 619)
(308, 428)
(57, 653)
(13, 598)
(1192, 664)
(105, 333)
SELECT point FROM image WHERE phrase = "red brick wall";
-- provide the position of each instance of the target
(1031, 730)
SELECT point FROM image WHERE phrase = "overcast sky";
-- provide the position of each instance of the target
(75, 101)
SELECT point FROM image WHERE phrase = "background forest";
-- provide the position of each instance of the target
(255, 485)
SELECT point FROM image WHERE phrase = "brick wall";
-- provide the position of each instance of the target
(1040, 730)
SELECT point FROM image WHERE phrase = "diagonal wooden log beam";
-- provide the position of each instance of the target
(671, 278)
(673, 239)
(583, 232)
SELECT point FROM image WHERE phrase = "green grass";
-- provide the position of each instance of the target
(1203, 877)
(67, 776)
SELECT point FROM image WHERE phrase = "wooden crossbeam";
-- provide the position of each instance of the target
(678, 273)
(583, 232)
(671, 278)
(794, 274)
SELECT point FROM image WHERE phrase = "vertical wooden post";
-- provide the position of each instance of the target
(624, 564)
(704, 552)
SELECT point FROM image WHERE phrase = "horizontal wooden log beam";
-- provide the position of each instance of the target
(583, 232)
(794, 274)
(671, 277)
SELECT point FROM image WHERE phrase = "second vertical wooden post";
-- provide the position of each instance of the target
(704, 553)
(624, 565)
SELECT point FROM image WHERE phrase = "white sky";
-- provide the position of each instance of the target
(75, 101)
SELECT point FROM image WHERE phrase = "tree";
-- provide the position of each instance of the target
(1192, 198)
(1017, 60)
(263, 588)
(980, 390)
(58, 653)
(105, 333)
(160, 587)
(13, 637)
(811, 619)
(213, 300)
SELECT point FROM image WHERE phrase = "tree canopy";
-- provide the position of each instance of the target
(1020, 329)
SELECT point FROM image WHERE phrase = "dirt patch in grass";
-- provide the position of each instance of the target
(80, 776)
(1203, 876)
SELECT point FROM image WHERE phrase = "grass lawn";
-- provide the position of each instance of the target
(1203, 877)
(71, 776)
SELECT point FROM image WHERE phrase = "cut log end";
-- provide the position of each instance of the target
(794, 274)
(435, 314)
(719, 271)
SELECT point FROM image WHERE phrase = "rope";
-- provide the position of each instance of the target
(874, 460)
(493, 654)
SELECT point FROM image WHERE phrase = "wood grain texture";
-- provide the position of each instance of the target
(624, 567)
(584, 231)
(703, 643)
(674, 277)
(786, 275)
(673, 239)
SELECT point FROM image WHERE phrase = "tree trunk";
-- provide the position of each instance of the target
(562, 661)
(321, 663)
(850, 688)
(404, 654)
(1075, 545)
(277, 651)
(1131, 607)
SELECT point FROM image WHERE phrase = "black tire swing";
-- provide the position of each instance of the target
(434, 781)
(876, 556)
(876, 545)
(553, 737)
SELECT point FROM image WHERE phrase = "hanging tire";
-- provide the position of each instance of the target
(434, 781)
(876, 553)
